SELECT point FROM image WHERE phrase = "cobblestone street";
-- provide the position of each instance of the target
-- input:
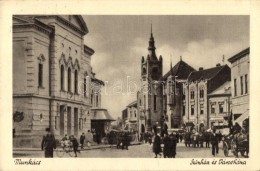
(136, 151)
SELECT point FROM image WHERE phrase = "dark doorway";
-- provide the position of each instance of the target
(62, 120)
(69, 121)
(76, 125)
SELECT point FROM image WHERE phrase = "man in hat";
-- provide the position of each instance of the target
(48, 144)
(214, 138)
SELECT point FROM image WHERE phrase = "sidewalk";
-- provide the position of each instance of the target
(92, 147)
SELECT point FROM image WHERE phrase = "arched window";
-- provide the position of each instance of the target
(76, 82)
(69, 80)
(62, 77)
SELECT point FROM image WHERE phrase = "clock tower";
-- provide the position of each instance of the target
(150, 95)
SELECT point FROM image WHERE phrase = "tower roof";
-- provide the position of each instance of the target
(181, 69)
(151, 47)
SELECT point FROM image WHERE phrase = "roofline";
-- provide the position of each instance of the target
(88, 50)
(222, 66)
(239, 55)
(37, 24)
(98, 81)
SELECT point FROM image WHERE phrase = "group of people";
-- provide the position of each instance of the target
(49, 143)
(169, 145)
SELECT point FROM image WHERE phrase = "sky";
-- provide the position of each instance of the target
(121, 41)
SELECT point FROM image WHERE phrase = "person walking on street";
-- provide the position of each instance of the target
(172, 145)
(75, 145)
(207, 139)
(125, 142)
(166, 148)
(157, 145)
(81, 140)
(48, 144)
(214, 142)
(89, 138)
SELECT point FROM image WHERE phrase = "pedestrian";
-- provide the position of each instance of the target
(181, 136)
(214, 142)
(81, 140)
(98, 137)
(207, 138)
(125, 142)
(157, 145)
(219, 136)
(89, 138)
(172, 145)
(48, 144)
(166, 147)
(75, 145)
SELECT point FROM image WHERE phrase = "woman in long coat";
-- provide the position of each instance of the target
(157, 145)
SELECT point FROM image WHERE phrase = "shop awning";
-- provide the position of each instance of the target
(101, 115)
(241, 118)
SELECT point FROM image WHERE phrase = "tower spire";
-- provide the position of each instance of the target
(151, 29)
(171, 64)
(151, 47)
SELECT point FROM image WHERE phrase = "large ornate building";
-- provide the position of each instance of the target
(53, 81)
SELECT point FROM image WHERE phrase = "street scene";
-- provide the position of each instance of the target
(131, 86)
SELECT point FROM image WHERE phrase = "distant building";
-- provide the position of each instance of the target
(53, 82)
(219, 105)
(240, 75)
(197, 88)
(129, 117)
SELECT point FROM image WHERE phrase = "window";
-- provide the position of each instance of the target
(201, 93)
(69, 80)
(221, 108)
(241, 84)
(97, 100)
(212, 108)
(40, 74)
(201, 109)
(154, 102)
(144, 100)
(76, 82)
(135, 113)
(62, 77)
(183, 111)
(246, 85)
(183, 94)
(235, 87)
(91, 98)
(192, 109)
(85, 87)
(192, 94)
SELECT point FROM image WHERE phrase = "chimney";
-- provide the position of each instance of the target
(200, 68)
(218, 64)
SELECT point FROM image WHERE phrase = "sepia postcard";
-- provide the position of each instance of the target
(149, 85)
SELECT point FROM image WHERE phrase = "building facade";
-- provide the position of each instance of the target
(52, 78)
(220, 105)
(240, 75)
(129, 116)
(197, 88)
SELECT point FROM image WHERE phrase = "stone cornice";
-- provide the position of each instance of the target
(88, 50)
(66, 23)
(50, 98)
(33, 25)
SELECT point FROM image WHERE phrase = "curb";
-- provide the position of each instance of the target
(94, 147)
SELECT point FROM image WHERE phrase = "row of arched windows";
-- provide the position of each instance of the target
(69, 83)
